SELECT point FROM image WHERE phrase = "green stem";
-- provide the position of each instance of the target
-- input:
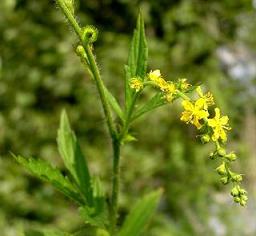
(115, 186)
(107, 112)
(100, 86)
(70, 18)
(128, 117)
(93, 67)
(182, 95)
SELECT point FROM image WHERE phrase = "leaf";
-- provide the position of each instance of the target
(154, 102)
(73, 158)
(114, 104)
(137, 59)
(98, 214)
(140, 214)
(43, 170)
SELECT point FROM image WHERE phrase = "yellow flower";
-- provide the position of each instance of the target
(169, 90)
(194, 112)
(184, 85)
(136, 83)
(208, 98)
(219, 126)
(154, 75)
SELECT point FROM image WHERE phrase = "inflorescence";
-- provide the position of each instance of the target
(196, 112)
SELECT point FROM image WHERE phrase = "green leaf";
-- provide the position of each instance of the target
(137, 59)
(98, 214)
(114, 104)
(140, 214)
(43, 170)
(73, 158)
(154, 102)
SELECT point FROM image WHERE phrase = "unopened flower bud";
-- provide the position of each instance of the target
(243, 203)
(205, 138)
(237, 178)
(244, 198)
(235, 191)
(224, 180)
(231, 157)
(221, 152)
(221, 169)
(80, 50)
(242, 191)
(237, 199)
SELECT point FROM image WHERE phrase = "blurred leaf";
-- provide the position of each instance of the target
(137, 59)
(73, 158)
(43, 170)
(140, 214)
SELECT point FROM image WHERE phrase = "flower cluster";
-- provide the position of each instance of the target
(197, 112)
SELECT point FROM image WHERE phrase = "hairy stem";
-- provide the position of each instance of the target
(107, 112)
(70, 18)
(100, 86)
(115, 186)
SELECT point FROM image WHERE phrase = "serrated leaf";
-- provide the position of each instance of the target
(73, 158)
(137, 59)
(140, 214)
(154, 102)
(43, 170)
(114, 104)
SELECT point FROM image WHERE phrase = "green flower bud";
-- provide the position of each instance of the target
(235, 191)
(205, 138)
(237, 177)
(221, 169)
(243, 203)
(244, 198)
(221, 152)
(80, 50)
(231, 157)
(90, 34)
(237, 199)
(242, 191)
(224, 180)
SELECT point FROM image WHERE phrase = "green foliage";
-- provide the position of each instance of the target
(137, 60)
(45, 171)
(140, 214)
(40, 75)
(73, 158)
(114, 104)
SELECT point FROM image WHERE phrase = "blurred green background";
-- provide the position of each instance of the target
(206, 41)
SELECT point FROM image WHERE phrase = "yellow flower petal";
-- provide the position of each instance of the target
(224, 120)
(187, 105)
